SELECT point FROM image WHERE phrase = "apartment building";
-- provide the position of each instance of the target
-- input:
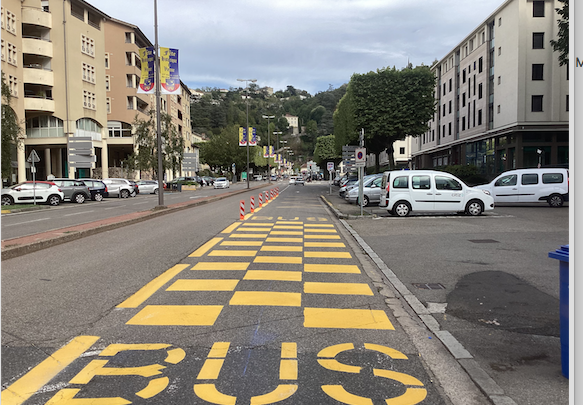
(502, 98)
(74, 73)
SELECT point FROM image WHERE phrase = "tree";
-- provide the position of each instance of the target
(223, 149)
(145, 156)
(391, 104)
(345, 132)
(561, 45)
(10, 132)
(325, 150)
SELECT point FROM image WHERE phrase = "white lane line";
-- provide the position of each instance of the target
(26, 222)
(199, 196)
(112, 208)
(145, 202)
(78, 213)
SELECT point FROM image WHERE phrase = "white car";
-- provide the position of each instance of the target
(221, 182)
(409, 191)
(550, 185)
(148, 186)
(119, 188)
(29, 192)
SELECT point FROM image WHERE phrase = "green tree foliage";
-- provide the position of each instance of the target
(391, 104)
(345, 132)
(145, 156)
(561, 44)
(10, 132)
(325, 150)
(222, 150)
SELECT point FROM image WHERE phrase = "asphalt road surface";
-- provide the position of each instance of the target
(201, 307)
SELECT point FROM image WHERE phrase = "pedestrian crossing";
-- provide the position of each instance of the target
(310, 259)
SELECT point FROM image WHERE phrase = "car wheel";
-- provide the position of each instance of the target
(475, 208)
(133, 193)
(124, 193)
(365, 201)
(98, 197)
(402, 209)
(156, 191)
(556, 200)
(79, 198)
(7, 200)
(54, 200)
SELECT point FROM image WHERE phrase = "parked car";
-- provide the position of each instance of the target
(97, 188)
(550, 185)
(209, 180)
(74, 190)
(347, 185)
(221, 182)
(371, 191)
(409, 191)
(28, 192)
(119, 187)
(148, 186)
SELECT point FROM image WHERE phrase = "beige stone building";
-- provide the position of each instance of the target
(74, 73)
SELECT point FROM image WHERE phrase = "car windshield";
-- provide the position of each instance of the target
(221, 179)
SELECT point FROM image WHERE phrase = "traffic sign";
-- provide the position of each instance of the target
(33, 157)
(330, 166)
(360, 157)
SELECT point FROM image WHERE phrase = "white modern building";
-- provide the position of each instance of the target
(502, 98)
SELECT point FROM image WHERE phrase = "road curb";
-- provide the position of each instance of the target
(70, 233)
(477, 374)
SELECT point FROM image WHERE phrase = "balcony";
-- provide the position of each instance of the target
(36, 16)
(34, 74)
(37, 46)
(32, 103)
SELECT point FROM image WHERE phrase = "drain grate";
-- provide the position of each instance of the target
(429, 286)
(483, 241)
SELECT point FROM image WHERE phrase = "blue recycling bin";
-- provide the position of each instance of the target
(562, 255)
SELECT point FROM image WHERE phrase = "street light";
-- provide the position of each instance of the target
(268, 147)
(247, 129)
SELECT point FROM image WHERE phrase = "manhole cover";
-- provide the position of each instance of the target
(429, 286)
(483, 241)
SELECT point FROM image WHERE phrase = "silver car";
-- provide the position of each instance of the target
(119, 188)
(371, 191)
(74, 190)
(221, 182)
(148, 186)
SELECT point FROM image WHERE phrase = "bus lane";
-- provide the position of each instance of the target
(275, 308)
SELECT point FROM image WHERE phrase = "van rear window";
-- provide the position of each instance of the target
(550, 178)
(531, 178)
(401, 182)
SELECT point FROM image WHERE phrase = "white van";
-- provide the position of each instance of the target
(407, 191)
(548, 185)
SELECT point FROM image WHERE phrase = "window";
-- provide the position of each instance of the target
(401, 182)
(89, 100)
(480, 64)
(108, 104)
(44, 127)
(538, 40)
(464, 100)
(2, 17)
(77, 11)
(537, 104)
(479, 117)
(13, 85)
(402, 151)
(463, 123)
(537, 71)
(421, 182)
(88, 73)
(499, 79)
(107, 61)
(444, 110)
(446, 183)
(433, 135)
(3, 51)
(444, 89)
(10, 22)
(128, 37)
(567, 97)
(107, 82)
(450, 84)
(474, 85)
(498, 109)
(443, 132)
(12, 54)
(87, 45)
(528, 179)
(509, 180)
(538, 8)
(464, 76)
(449, 106)
(500, 21)
(449, 128)
(550, 178)
(499, 50)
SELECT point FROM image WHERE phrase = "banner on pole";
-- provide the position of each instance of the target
(271, 151)
(147, 80)
(242, 137)
(253, 137)
(169, 77)
(265, 153)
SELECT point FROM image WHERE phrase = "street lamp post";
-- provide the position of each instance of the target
(247, 129)
(268, 147)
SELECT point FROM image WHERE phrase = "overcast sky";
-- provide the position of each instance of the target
(309, 44)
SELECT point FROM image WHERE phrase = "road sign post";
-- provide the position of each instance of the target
(33, 158)
(330, 167)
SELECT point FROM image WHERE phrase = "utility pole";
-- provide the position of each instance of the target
(158, 124)
(361, 174)
(268, 148)
(247, 129)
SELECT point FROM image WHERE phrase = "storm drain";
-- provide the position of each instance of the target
(483, 241)
(429, 286)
